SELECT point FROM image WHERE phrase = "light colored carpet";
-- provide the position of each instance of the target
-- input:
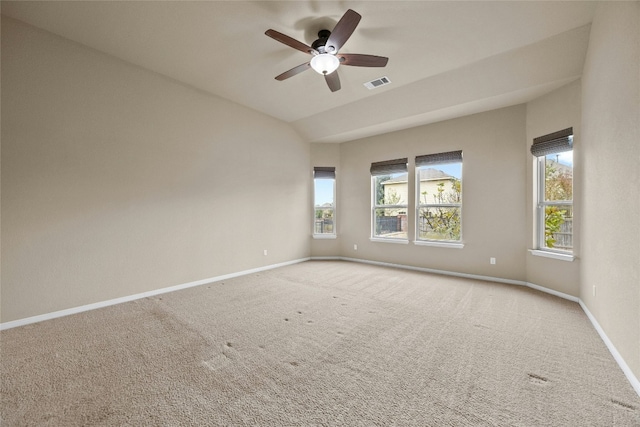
(321, 343)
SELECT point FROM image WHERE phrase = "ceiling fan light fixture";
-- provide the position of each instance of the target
(325, 63)
(324, 51)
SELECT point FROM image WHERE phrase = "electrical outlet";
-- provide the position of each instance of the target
(355, 247)
(265, 252)
(492, 260)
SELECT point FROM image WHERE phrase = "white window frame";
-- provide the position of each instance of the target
(550, 144)
(420, 205)
(541, 206)
(402, 164)
(333, 234)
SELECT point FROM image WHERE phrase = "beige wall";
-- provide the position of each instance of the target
(493, 197)
(556, 111)
(611, 157)
(117, 181)
(500, 170)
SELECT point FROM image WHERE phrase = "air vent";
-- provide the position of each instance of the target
(377, 82)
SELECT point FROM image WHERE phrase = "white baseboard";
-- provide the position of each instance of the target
(614, 352)
(552, 292)
(101, 304)
(431, 270)
(616, 355)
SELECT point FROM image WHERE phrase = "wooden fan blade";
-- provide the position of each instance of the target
(333, 81)
(342, 31)
(359, 60)
(291, 42)
(295, 70)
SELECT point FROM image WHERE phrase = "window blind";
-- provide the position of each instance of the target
(389, 167)
(553, 143)
(439, 158)
(328, 172)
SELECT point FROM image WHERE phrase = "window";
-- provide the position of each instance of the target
(389, 189)
(324, 195)
(439, 197)
(554, 211)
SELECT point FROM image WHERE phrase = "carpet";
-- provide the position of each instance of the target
(319, 343)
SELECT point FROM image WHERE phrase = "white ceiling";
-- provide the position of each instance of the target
(446, 59)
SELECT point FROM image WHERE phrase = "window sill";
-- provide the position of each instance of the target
(324, 236)
(554, 255)
(450, 245)
(383, 240)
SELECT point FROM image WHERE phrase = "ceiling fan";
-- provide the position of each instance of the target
(326, 58)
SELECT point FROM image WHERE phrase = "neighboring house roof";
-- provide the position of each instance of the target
(561, 167)
(427, 174)
(430, 174)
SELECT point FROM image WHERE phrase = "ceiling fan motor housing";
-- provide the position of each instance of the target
(319, 45)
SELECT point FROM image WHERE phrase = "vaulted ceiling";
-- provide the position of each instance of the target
(446, 59)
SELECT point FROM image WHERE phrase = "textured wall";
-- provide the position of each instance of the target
(493, 193)
(555, 111)
(117, 181)
(611, 155)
